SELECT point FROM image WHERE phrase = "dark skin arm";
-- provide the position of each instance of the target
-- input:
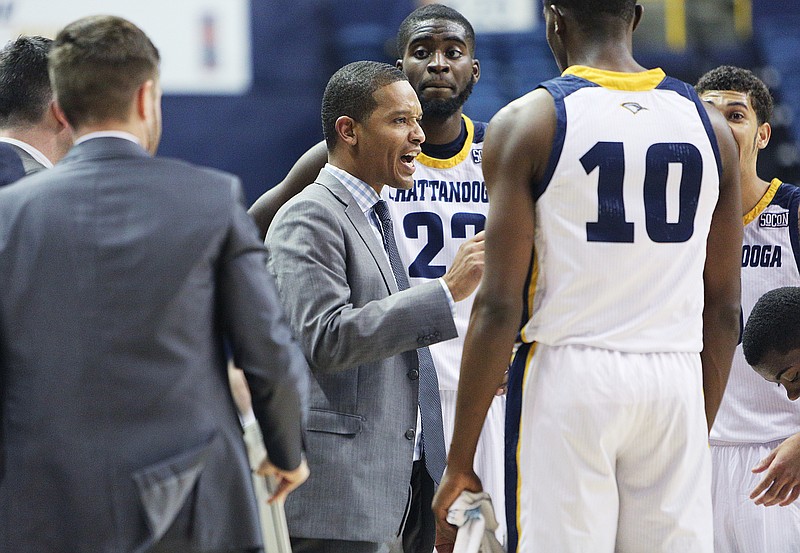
(515, 153)
(721, 275)
(517, 147)
(302, 173)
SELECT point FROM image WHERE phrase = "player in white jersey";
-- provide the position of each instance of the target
(755, 417)
(445, 209)
(771, 344)
(614, 207)
(448, 205)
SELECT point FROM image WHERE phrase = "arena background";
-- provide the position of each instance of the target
(258, 122)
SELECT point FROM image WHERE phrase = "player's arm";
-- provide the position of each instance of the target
(302, 173)
(517, 145)
(780, 483)
(721, 275)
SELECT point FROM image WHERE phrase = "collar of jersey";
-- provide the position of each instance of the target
(436, 163)
(763, 202)
(644, 80)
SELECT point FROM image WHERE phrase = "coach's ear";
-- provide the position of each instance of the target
(346, 130)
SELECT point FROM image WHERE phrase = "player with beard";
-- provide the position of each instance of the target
(447, 205)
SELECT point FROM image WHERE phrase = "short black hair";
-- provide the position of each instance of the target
(737, 79)
(773, 325)
(25, 92)
(586, 12)
(428, 13)
(350, 91)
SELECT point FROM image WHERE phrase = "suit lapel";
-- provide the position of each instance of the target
(361, 225)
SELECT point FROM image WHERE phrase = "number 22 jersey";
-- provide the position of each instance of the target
(622, 214)
(446, 206)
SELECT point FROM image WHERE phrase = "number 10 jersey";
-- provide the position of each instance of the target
(622, 215)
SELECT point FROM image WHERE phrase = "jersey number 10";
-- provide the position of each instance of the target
(611, 225)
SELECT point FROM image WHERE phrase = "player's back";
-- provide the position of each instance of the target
(623, 214)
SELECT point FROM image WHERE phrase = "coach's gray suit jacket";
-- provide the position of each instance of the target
(121, 273)
(360, 337)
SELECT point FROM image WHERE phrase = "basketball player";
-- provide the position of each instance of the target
(754, 417)
(771, 344)
(447, 204)
(614, 197)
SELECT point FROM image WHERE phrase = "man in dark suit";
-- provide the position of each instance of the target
(29, 122)
(11, 168)
(123, 275)
(364, 332)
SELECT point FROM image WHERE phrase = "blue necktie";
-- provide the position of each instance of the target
(429, 404)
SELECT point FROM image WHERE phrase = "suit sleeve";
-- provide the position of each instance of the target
(261, 340)
(314, 270)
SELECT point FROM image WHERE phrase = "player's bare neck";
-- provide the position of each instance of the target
(753, 190)
(441, 131)
(609, 56)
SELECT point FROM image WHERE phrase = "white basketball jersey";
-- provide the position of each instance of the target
(755, 411)
(622, 215)
(446, 206)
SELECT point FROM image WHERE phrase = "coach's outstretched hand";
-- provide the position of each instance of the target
(781, 468)
(467, 269)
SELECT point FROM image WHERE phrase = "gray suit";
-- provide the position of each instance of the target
(122, 274)
(360, 337)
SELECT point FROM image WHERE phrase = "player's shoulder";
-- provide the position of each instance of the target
(525, 116)
(479, 131)
(787, 194)
(788, 187)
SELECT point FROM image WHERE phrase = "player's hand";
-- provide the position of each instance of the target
(781, 468)
(503, 388)
(453, 483)
(286, 480)
(467, 269)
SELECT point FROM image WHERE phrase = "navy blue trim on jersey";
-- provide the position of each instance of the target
(516, 375)
(559, 88)
(687, 91)
(452, 149)
(788, 196)
(526, 315)
(479, 131)
(446, 151)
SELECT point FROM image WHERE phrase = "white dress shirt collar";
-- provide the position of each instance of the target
(33, 152)
(108, 134)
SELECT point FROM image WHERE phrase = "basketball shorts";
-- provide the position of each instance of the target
(607, 452)
(741, 526)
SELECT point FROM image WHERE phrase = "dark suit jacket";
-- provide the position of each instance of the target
(11, 168)
(360, 336)
(29, 163)
(121, 275)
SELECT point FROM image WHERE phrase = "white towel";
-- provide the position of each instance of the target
(474, 516)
